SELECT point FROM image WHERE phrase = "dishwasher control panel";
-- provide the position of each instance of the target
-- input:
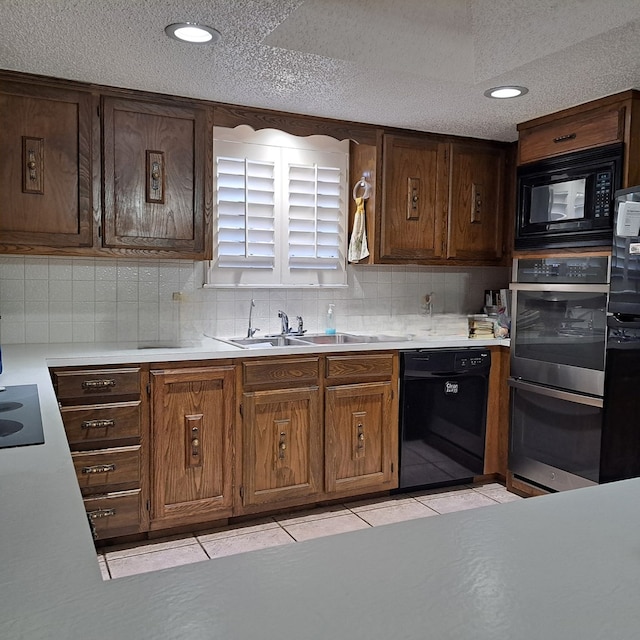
(445, 361)
(464, 362)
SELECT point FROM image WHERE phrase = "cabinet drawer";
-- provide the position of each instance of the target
(88, 383)
(97, 424)
(278, 372)
(108, 467)
(115, 514)
(591, 129)
(359, 367)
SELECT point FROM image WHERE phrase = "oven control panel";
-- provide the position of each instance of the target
(562, 270)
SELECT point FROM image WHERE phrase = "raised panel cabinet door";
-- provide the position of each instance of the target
(192, 444)
(414, 198)
(361, 437)
(45, 167)
(476, 206)
(154, 170)
(282, 445)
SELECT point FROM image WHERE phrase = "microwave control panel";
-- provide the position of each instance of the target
(603, 194)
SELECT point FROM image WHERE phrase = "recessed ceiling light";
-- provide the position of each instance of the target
(506, 92)
(192, 32)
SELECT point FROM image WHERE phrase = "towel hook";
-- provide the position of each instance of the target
(362, 184)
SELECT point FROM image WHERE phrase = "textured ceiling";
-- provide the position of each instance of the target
(420, 64)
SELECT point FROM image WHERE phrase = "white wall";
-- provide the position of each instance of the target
(50, 299)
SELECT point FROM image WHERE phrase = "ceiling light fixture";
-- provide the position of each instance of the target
(510, 91)
(193, 33)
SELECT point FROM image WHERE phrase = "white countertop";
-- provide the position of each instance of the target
(559, 566)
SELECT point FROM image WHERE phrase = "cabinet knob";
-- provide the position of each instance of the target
(282, 445)
(33, 165)
(413, 197)
(193, 453)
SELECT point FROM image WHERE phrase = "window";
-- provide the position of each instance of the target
(281, 209)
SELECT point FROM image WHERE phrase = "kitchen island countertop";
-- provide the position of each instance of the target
(558, 566)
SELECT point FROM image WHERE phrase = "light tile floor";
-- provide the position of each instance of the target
(129, 559)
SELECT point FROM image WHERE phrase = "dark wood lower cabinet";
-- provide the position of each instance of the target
(282, 441)
(361, 443)
(192, 440)
(105, 416)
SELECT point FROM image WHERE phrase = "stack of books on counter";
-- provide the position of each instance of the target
(481, 326)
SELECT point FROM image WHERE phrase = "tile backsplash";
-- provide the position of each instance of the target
(50, 299)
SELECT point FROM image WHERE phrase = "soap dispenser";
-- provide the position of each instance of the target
(330, 326)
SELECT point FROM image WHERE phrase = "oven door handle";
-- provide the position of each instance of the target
(556, 393)
(560, 288)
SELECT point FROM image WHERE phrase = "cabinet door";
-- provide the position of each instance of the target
(282, 445)
(600, 126)
(155, 171)
(192, 444)
(361, 438)
(476, 206)
(414, 198)
(45, 167)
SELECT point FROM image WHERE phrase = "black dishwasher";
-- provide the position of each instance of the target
(443, 410)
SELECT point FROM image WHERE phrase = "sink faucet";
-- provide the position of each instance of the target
(284, 320)
(251, 331)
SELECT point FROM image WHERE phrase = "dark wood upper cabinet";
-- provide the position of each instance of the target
(154, 163)
(437, 199)
(414, 198)
(45, 167)
(476, 201)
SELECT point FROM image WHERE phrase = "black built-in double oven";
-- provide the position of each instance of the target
(558, 346)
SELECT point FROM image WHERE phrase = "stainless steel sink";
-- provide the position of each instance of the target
(304, 340)
(264, 341)
(335, 338)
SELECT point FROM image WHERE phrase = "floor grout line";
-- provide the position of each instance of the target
(337, 510)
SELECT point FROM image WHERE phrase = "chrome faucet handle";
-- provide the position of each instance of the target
(284, 319)
(301, 328)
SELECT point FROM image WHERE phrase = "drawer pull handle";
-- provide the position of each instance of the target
(97, 424)
(99, 468)
(98, 384)
(568, 136)
(101, 513)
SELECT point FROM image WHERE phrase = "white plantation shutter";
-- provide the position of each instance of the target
(314, 217)
(281, 209)
(246, 213)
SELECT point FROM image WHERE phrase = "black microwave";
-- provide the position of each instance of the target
(568, 201)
